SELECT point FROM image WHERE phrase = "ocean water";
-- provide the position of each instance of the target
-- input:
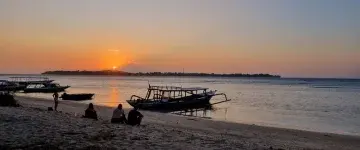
(322, 105)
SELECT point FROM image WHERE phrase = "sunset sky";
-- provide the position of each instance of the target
(293, 38)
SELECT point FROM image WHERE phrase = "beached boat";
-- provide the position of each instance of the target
(170, 98)
(45, 88)
(77, 97)
(28, 80)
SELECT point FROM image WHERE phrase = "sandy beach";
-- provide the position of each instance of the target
(33, 127)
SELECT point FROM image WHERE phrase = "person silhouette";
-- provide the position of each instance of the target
(90, 112)
(118, 115)
(135, 117)
(56, 99)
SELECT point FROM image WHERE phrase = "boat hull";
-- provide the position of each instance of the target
(12, 88)
(173, 105)
(77, 97)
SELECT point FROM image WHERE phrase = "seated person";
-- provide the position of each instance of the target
(118, 115)
(134, 117)
(90, 112)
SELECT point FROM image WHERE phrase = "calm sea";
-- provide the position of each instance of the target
(323, 105)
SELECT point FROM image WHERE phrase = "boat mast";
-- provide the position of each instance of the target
(181, 92)
(149, 91)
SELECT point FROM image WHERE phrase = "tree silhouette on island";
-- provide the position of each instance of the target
(123, 73)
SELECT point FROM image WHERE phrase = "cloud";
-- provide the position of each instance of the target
(113, 50)
(132, 62)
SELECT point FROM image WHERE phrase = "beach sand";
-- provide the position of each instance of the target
(33, 127)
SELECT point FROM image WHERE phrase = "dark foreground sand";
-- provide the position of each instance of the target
(33, 127)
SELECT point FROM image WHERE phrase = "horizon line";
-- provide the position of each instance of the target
(282, 77)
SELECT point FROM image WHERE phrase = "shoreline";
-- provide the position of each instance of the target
(259, 137)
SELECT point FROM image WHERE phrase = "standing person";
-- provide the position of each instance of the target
(134, 117)
(56, 99)
(118, 115)
(90, 112)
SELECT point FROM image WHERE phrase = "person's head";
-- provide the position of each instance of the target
(91, 106)
(119, 106)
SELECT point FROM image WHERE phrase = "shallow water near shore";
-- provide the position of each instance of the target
(322, 105)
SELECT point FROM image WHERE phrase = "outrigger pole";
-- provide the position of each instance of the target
(226, 99)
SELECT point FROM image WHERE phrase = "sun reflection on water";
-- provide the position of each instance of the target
(114, 97)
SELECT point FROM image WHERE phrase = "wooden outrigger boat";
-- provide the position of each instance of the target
(45, 88)
(170, 98)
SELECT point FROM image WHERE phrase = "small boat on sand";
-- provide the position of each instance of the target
(45, 88)
(170, 98)
(77, 97)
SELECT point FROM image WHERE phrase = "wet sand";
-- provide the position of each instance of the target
(32, 126)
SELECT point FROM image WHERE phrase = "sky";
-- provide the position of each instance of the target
(292, 38)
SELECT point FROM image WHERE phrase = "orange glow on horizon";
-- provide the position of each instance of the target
(115, 59)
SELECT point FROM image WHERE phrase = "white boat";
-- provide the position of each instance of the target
(45, 88)
(27, 80)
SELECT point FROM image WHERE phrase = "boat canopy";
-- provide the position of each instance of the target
(175, 88)
(185, 89)
(29, 77)
(163, 87)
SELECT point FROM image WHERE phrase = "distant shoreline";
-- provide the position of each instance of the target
(174, 74)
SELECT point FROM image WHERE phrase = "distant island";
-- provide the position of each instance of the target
(122, 73)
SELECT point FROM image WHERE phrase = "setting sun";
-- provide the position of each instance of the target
(115, 60)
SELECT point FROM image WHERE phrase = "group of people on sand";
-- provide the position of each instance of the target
(134, 116)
